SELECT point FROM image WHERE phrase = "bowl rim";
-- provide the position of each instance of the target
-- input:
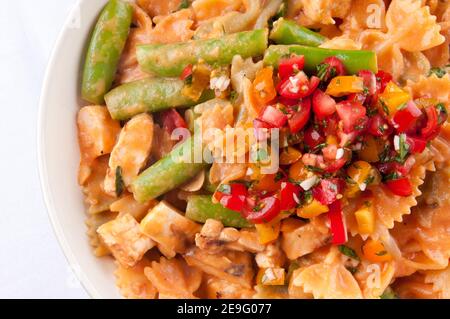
(46, 191)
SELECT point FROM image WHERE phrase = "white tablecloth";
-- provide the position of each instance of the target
(32, 264)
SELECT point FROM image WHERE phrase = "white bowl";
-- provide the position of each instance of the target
(58, 152)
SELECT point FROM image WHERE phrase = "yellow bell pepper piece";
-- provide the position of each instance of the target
(271, 276)
(392, 98)
(297, 171)
(374, 251)
(344, 85)
(365, 218)
(267, 233)
(313, 209)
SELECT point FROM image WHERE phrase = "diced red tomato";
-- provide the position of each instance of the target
(273, 116)
(262, 129)
(235, 198)
(312, 137)
(291, 66)
(336, 165)
(416, 144)
(337, 223)
(297, 86)
(431, 130)
(289, 195)
(352, 114)
(323, 104)
(400, 187)
(406, 118)
(383, 78)
(328, 189)
(269, 209)
(301, 117)
(287, 102)
(345, 139)
(357, 97)
(332, 66)
(329, 125)
(171, 120)
(378, 126)
(370, 81)
(188, 70)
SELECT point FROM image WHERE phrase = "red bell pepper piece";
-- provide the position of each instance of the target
(383, 78)
(233, 196)
(401, 186)
(416, 144)
(171, 120)
(432, 128)
(187, 72)
(378, 126)
(289, 195)
(337, 223)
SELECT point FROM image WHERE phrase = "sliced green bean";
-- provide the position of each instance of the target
(105, 48)
(200, 208)
(289, 32)
(149, 95)
(167, 174)
(354, 60)
(171, 59)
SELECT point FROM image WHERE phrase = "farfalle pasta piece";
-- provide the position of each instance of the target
(130, 153)
(423, 237)
(434, 184)
(175, 27)
(328, 279)
(95, 196)
(432, 87)
(364, 14)
(216, 288)
(173, 278)
(312, 13)
(440, 280)
(341, 43)
(299, 239)
(129, 69)
(128, 205)
(208, 9)
(374, 278)
(159, 7)
(93, 222)
(125, 240)
(97, 134)
(169, 229)
(233, 266)
(132, 282)
(270, 9)
(410, 27)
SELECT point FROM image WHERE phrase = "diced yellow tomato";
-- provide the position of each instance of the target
(344, 85)
(267, 182)
(268, 233)
(392, 98)
(271, 276)
(374, 251)
(311, 210)
(365, 217)
(332, 140)
(371, 149)
(297, 171)
(263, 88)
(289, 156)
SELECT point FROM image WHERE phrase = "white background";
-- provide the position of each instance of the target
(32, 264)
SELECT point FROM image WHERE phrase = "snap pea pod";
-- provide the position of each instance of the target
(167, 174)
(105, 48)
(200, 208)
(289, 32)
(149, 95)
(171, 59)
(354, 60)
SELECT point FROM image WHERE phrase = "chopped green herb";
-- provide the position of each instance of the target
(233, 96)
(314, 169)
(320, 146)
(120, 185)
(402, 106)
(184, 4)
(350, 181)
(384, 106)
(403, 149)
(439, 72)
(188, 80)
(308, 197)
(442, 113)
(352, 270)
(278, 176)
(369, 180)
(381, 253)
(349, 252)
(391, 176)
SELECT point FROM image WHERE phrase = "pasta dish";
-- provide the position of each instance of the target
(269, 148)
